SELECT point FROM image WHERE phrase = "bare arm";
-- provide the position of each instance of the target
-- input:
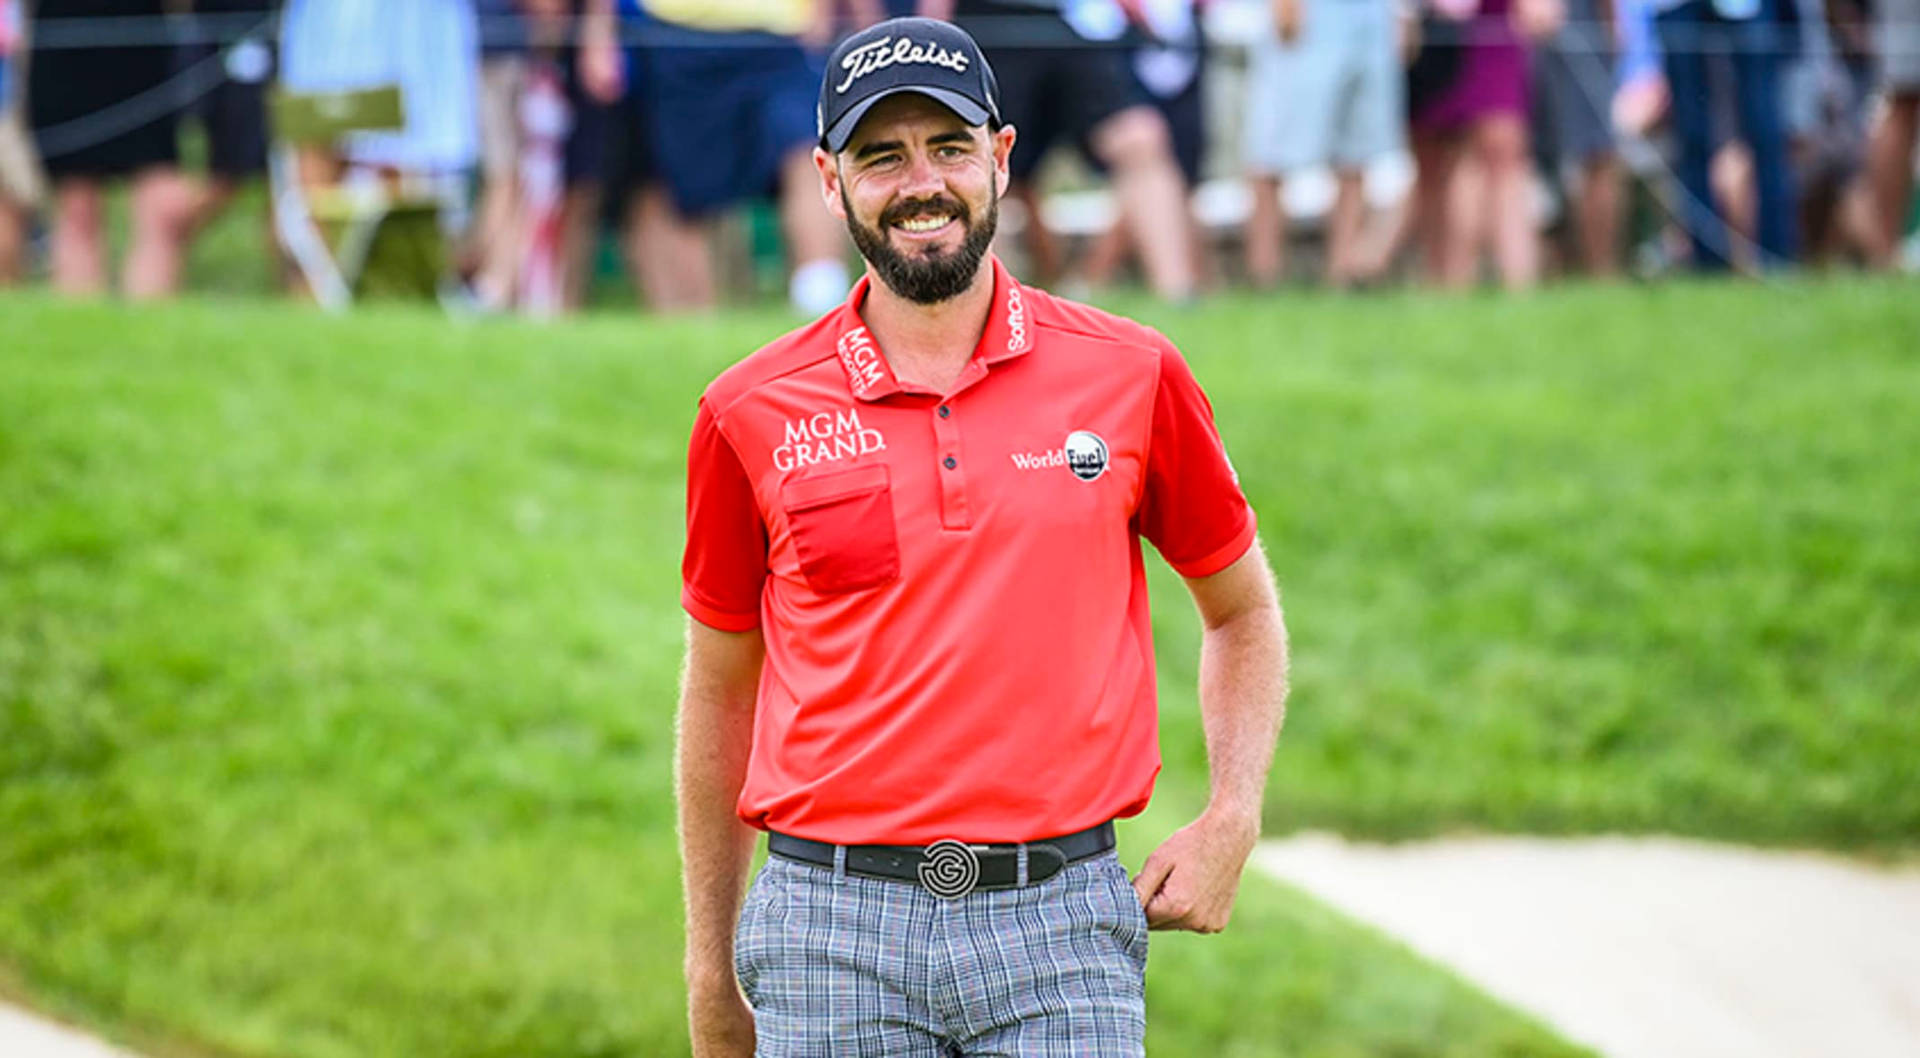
(602, 70)
(1190, 881)
(715, 734)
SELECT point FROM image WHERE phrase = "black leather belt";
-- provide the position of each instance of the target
(952, 869)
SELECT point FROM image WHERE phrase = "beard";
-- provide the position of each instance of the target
(928, 276)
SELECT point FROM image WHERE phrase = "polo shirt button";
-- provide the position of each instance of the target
(950, 462)
(945, 411)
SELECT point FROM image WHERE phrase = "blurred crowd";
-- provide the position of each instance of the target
(1534, 137)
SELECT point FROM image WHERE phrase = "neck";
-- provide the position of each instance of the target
(929, 345)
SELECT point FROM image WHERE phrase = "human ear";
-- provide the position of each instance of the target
(830, 179)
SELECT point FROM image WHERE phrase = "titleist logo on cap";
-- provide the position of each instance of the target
(888, 51)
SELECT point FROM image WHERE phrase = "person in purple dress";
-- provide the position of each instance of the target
(1470, 142)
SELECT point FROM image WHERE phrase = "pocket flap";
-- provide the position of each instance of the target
(807, 493)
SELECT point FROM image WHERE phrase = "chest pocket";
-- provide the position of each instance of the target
(842, 528)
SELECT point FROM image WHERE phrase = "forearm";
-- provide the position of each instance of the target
(1243, 692)
(715, 733)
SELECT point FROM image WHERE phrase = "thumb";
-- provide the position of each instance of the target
(1153, 874)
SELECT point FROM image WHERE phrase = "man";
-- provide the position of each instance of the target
(19, 170)
(1890, 157)
(727, 89)
(921, 654)
(1754, 34)
(1326, 89)
(1063, 66)
(1573, 84)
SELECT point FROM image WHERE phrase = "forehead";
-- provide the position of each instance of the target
(905, 116)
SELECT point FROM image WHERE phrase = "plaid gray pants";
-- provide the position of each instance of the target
(843, 966)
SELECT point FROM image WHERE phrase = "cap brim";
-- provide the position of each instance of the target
(968, 111)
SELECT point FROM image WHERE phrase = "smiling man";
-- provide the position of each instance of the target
(920, 654)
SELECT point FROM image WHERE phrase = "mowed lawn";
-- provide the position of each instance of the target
(337, 655)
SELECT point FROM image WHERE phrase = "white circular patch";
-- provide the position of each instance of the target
(249, 62)
(1086, 454)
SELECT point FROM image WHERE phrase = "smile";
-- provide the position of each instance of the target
(924, 225)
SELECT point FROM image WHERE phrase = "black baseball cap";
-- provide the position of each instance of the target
(936, 59)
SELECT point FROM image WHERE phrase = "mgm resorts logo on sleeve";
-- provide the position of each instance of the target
(1084, 453)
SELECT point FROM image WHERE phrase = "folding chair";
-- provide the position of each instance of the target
(373, 233)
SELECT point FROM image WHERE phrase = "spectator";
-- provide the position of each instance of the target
(19, 180)
(549, 84)
(729, 94)
(1326, 89)
(102, 114)
(1470, 143)
(1753, 34)
(1170, 72)
(494, 250)
(1826, 106)
(1573, 93)
(233, 112)
(1890, 161)
(1066, 76)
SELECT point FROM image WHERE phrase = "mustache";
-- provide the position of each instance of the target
(914, 207)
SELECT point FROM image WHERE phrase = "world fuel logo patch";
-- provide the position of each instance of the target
(1086, 454)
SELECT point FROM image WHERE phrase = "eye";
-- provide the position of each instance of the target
(950, 151)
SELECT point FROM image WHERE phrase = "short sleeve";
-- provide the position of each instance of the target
(1191, 506)
(725, 565)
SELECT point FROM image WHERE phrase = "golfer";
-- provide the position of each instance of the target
(920, 655)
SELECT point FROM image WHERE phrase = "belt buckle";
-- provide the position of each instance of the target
(949, 869)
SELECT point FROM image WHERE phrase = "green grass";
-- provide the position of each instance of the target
(337, 655)
(1607, 559)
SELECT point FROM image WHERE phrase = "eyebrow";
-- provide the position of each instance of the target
(868, 150)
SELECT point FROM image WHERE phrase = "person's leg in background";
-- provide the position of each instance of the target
(19, 179)
(669, 253)
(1890, 165)
(1371, 126)
(1344, 225)
(79, 237)
(496, 248)
(816, 240)
(162, 204)
(1598, 206)
(1758, 43)
(1265, 241)
(1890, 154)
(1436, 157)
(1468, 223)
(585, 164)
(1290, 105)
(1500, 145)
(1684, 37)
(1149, 192)
(1577, 70)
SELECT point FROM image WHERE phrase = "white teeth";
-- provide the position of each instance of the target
(925, 224)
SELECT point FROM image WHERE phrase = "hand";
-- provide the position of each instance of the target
(602, 70)
(718, 1015)
(1189, 882)
(1539, 19)
(1287, 16)
(1407, 30)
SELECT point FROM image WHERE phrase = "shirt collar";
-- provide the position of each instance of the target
(1009, 333)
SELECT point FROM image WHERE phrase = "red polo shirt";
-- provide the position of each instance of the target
(955, 608)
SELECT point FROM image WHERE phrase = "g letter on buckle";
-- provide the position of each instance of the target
(950, 869)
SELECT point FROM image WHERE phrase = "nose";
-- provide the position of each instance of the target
(921, 175)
